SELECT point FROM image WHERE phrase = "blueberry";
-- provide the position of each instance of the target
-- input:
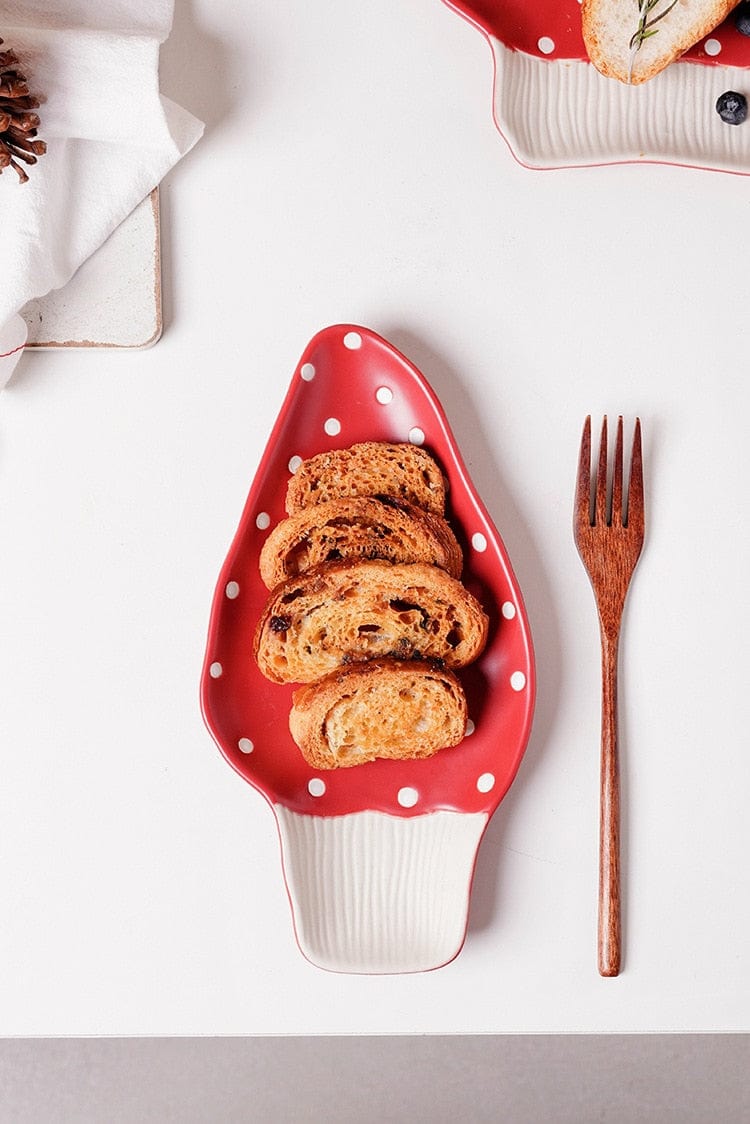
(742, 18)
(732, 107)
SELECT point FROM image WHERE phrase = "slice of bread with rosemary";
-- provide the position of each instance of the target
(381, 709)
(633, 40)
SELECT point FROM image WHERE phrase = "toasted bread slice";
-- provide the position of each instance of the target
(371, 468)
(341, 612)
(358, 528)
(385, 708)
(628, 42)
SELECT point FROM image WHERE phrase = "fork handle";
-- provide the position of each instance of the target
(609, 929)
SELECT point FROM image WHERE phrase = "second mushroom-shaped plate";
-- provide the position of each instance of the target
(555, 110)
(378, 858)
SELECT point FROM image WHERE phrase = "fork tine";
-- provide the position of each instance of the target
(618, 512)
(583, 479)
(635, 516)
(600, 504)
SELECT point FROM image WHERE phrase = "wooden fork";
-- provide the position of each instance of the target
(609, 535)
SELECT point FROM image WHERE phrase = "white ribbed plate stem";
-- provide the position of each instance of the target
(376, 893)
(562, 113)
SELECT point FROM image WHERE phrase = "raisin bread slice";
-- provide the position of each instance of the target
(370, 468)
(381, 709)
(340, 613)
(358, 528)
(618, 50)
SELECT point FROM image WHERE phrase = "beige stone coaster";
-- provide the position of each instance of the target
(114, 299)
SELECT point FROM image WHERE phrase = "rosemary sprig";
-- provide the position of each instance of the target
(646, 27)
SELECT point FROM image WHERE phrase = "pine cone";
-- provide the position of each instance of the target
(18, 121)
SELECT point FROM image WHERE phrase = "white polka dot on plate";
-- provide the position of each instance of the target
(307, 372)
(479, 542)
(486, 782)
(508, 610)
(215, 670)
(518, 680)
(407, 797)
(294, 463)
(245, 745)
(712, 47)
(470, 728)
(262, 520)
(546, 45)
(232, 590)
(316, 786)
(353, 341)
(416, 435)
(332, 426)
(384, 395)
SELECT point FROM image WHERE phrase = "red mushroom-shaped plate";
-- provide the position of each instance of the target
(378, 858)
(554, 109)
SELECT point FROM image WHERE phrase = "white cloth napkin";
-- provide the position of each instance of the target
(111, 138)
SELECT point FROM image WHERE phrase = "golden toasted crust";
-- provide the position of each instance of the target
(341, 612)
(370, 468)
(358, 528)
(609, 27)
(382, 709)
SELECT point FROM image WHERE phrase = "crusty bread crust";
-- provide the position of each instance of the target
(370, 468)
(340, 613)
(358, 528)
(382, 709)
(609, 25)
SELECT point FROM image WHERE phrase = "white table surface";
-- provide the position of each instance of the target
(351, 172)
